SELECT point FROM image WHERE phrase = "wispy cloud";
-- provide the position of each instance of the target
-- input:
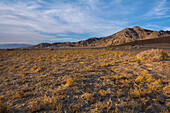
(167, 28)
(160, 10)
(13, 33)
(35, 21)
(57, 17)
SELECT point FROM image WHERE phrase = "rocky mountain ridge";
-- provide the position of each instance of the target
(124, 36)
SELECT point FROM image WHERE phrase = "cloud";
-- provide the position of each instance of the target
(35, 21)
(160, 10)
(167, 28)
(54, 17)
(15, 42)
(12, 33)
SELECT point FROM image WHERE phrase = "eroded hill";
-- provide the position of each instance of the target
(122, 37)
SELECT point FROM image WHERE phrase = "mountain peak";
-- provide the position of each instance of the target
(133, 28)
(137, 27)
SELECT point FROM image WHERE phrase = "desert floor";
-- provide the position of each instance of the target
(86, 80)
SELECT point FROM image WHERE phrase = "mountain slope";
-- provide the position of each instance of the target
(132, 34)
(124, 36)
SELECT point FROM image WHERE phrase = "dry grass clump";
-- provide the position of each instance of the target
(167, 88)
(136, 92)
(145, 77)
(89, 97)
(69, 82)
(103, 93)
(152, 55)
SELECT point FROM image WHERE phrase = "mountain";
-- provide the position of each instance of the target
(126, 35)
(5, 46)
(132, 34)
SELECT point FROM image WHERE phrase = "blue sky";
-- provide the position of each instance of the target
(37, 21)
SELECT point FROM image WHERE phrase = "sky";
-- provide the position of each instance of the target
(40, 21)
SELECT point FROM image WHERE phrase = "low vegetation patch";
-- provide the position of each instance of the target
(152, 55)
(82, 81)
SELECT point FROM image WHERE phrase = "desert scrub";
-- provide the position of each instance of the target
(154, 87)
(89, 69)
(144, 78)
(41, 68)
(103, 93)
(152, 55)
(105, 64)
(24, 73)
(89, 97)
(167, 88)
(69, 82)
(74, 81)
(136, 92)
(35, 106)
(134, 60)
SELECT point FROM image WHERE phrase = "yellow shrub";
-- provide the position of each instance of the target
(69, 82)
(136, 92)
(103, 93)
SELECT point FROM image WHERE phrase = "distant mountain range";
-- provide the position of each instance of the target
(6, 46)
(122, 37)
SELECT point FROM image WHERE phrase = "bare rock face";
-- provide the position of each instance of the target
(152, 55)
